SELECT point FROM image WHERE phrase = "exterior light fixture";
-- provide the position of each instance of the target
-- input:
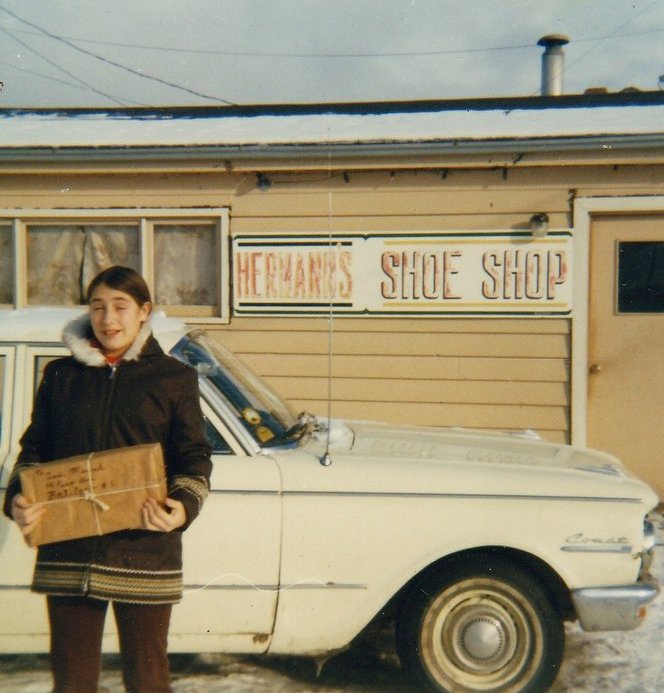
(539, 224)
(263, 182)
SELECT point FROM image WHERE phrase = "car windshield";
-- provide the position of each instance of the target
(269, 420)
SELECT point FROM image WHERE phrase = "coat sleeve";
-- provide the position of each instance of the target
(35, 443)
(188, 452)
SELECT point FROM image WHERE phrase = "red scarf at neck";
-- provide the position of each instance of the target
(110, 359)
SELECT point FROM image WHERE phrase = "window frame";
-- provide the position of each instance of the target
(145, 219)
(224, 432)
(8, 353)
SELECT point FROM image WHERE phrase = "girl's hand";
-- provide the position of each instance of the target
(158, 519)
(26, 515)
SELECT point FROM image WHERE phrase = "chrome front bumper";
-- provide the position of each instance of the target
(614, 608)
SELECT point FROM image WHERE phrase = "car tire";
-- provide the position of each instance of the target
(481, 625)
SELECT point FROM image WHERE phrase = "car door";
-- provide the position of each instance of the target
(23, 626)
(232, 553)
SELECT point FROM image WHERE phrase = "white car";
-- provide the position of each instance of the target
(478, 547)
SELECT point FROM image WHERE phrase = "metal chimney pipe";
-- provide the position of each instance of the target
(553, 62)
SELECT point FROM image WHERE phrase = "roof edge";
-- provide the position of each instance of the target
(608, 147)
(588, 100)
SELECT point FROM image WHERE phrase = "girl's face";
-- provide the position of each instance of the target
(116, 319)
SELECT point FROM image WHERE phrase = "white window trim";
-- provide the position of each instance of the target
(9, 356)
(19, 218)
(585, 208)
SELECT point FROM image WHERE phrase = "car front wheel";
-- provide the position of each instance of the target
(484, 625)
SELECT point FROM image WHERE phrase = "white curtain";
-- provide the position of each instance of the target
(185, 264)
(63, 259)
(109, 245)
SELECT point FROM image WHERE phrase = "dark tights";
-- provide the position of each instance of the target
(77, 626)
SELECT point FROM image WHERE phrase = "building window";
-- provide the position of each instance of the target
(63, 258)
(183, 273)
(640, 277)
(182, 254)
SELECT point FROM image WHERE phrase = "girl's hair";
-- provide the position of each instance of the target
(122, 279)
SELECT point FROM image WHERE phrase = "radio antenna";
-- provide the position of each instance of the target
(326, 460)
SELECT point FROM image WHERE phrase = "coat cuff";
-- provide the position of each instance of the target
(191, 492)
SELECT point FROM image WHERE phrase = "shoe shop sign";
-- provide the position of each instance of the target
(423, 274)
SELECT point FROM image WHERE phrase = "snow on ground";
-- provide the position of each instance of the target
(625, 662)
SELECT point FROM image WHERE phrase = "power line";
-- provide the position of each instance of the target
(281, 54)
(613, 34)
(309, 55)
(66, 72)
(126, 68)
(41, 74)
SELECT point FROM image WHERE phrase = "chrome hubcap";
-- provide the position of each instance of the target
(483, 638)
(479, 635)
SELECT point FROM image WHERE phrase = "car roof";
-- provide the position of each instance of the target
(44, 325)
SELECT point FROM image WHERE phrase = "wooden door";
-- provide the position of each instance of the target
(626, 342)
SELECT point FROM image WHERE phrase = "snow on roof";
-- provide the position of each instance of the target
(243, 127)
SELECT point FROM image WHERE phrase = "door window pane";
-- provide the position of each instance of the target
(641, 277)
(6, 265)
(185, 264)
(63, 259)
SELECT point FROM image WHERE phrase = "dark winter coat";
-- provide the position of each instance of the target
(84, 405)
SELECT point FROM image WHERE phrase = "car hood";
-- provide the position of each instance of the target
(467, 461)
(524, 449)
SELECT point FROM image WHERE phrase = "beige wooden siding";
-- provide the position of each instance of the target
(484, 373)
(500, 196)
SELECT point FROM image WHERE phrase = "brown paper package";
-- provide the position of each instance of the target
(94, 494)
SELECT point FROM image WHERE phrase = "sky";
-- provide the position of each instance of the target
(107, 53)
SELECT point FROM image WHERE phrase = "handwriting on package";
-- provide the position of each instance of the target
(94, 494)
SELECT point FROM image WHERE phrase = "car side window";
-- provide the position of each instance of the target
(219, 445)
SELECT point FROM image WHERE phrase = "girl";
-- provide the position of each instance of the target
(117, 388)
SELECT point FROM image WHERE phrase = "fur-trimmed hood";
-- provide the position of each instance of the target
(77, 336)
